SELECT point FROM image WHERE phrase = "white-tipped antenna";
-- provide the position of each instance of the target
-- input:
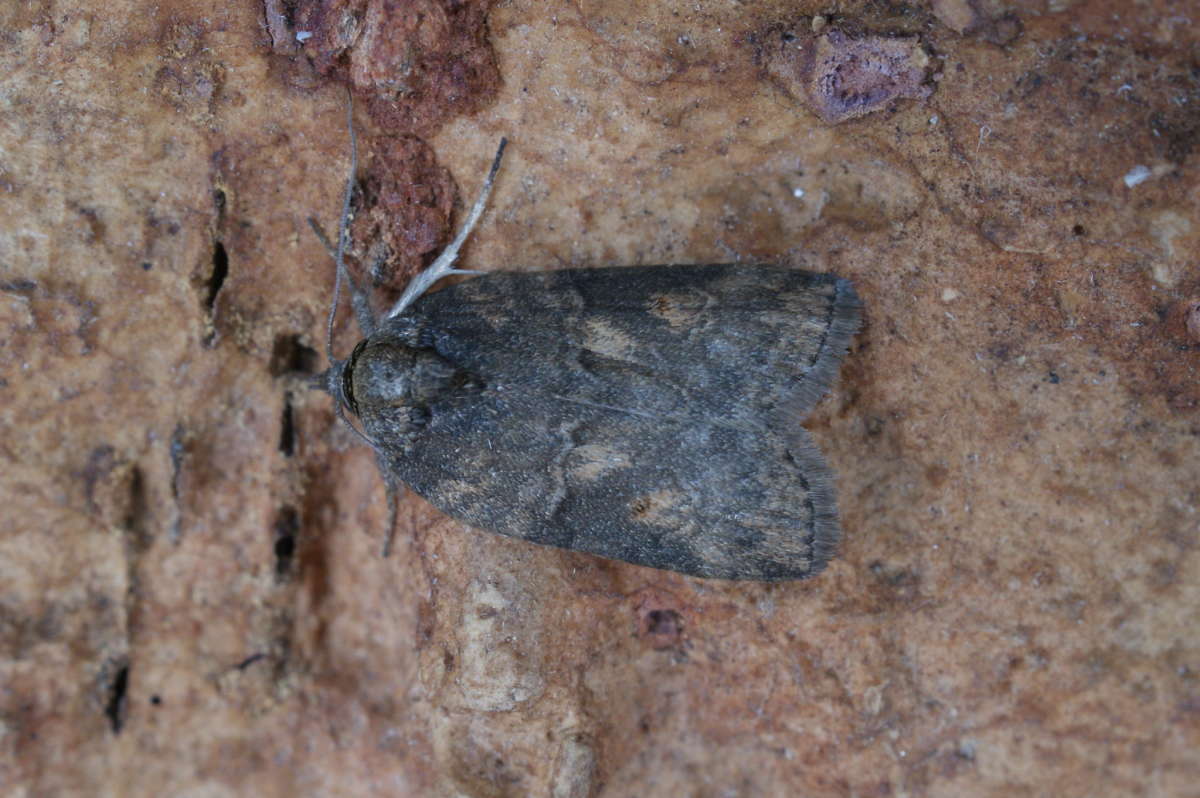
(445, 261)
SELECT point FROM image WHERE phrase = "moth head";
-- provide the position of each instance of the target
(378, 374)
(391, 387)
(374, 384)
(336, 381)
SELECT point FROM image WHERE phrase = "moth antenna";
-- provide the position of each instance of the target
(330, 379)
(343, 225)
(445, 261)
(358, 300)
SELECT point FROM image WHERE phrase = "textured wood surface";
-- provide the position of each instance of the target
(191, 597)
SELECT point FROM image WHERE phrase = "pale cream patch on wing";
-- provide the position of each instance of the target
(604, 339)
(454, 489)
(660, 507)
(467, 497)
(591, 461)
(680, 310)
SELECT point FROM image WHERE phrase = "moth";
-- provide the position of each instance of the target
(647, 414)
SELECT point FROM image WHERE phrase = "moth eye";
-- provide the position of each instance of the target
(348, 376)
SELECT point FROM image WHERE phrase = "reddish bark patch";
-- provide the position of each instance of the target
(403, 217)
(418, 62)
(842, 74)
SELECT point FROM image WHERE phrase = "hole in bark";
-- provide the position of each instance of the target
(137, 520)
(287, 428)
(220, 270)
(663, 622)
(287, 527)
(289, 356)
(115, 708)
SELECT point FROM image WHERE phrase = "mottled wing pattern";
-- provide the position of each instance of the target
(644, 414)
(730, 342)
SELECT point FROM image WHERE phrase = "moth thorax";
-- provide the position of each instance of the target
(383, 373)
